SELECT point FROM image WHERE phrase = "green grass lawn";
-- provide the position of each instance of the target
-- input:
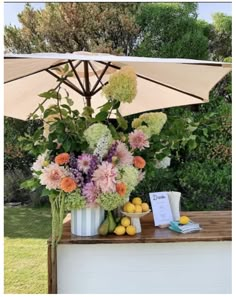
(26, 231)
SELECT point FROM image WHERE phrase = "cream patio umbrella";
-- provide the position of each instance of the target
(161, 83)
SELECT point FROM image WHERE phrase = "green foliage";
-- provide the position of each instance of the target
(205, 185)
(69, 27)
(220, 39)
(176, 138)
(14, 155)
(214, 133)
(171, 30)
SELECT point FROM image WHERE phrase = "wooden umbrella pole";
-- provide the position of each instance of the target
(87, 84)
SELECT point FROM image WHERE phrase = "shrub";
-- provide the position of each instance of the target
(205, 185)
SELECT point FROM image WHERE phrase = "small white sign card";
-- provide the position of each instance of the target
(161, 208)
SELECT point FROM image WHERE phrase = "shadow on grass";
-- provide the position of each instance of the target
(25, 222)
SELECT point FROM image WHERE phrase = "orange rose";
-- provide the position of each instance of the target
(139, 162)
(121, 189)
(62, 158)
(68, 184)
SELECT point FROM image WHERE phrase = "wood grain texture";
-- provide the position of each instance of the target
(216, 226)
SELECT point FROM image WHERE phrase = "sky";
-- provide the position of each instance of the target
(205, 10)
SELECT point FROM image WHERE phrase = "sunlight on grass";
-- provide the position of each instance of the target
(26, 231)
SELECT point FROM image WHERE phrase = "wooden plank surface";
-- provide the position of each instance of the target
(216, 226)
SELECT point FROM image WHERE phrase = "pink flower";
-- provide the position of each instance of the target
(90, 191)
(124, 156)
(52, 175)
(138, 140)
(104, 177)
(84, 162)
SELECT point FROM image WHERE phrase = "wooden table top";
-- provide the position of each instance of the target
(216, 226)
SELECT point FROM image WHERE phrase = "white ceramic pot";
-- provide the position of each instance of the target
(86, 221)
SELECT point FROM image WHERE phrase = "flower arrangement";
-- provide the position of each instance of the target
(84, 161)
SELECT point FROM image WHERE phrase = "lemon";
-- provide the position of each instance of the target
(138, 208)
(184, 220)
(125, 221)
(125, 206)
(131, 230)
(119, 230)
(145, 207)
(137, 201)
(130, 208)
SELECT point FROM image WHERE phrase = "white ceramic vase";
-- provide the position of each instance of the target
(174, 199)
(86, 221)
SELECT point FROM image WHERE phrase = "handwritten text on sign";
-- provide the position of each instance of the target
(161, 208)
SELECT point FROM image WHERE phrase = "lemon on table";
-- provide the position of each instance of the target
(183, 220)
(138, 208)
(125, 206)
(137, 201)
(131, 230)
(130, 208)
(125, 221)
(119, 230)
(145, 207)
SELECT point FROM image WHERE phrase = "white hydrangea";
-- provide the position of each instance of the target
(164, 163)
(40, 162)
(102, 146)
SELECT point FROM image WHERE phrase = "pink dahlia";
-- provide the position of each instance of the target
(52, 175)
(90, 191)
(124, 156)
(105, 177)
(83, 162)
(138, 140)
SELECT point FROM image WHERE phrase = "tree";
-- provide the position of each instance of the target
(73, 26)
(220, 43)
(171, 30)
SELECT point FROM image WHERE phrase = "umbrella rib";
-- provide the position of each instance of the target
(76, 74)
(99, 77)
(66, 82)
(159, 83)
(98, 89)
(35, 72)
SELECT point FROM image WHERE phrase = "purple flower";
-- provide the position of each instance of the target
(73, 161)
(78, 177)
(83, 162)
(90, 191)
(112, 151)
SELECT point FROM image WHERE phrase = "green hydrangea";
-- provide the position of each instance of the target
(95, 132)
(122, 85)
(129, 176)
(150, 123)
(74, 200)
(110, 200)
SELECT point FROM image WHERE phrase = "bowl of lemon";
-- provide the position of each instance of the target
(135, 209)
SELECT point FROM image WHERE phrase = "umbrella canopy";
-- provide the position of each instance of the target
(161, 83)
